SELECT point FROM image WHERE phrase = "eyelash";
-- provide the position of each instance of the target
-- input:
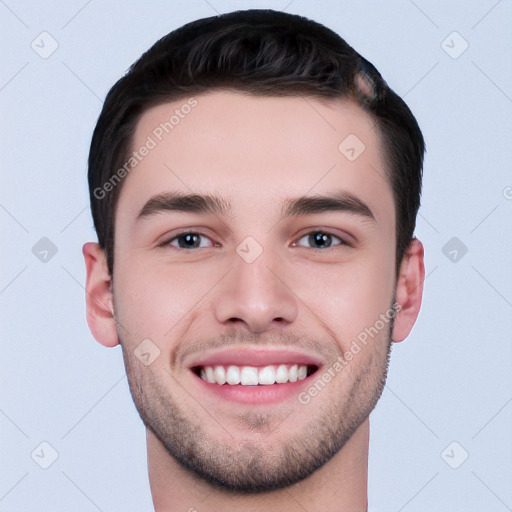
(342, 242)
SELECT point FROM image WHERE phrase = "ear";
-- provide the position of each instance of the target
(409, 290)
(98, 296)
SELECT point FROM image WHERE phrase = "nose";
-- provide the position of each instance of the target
(256, 295)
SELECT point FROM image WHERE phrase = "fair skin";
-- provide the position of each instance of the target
(303, 300)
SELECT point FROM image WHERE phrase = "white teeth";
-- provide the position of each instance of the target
(249, 376)
(253, 375)
(232, 375)
(267, 375)
(282, 374)
(219, 374)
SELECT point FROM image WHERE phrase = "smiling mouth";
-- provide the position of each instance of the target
(233, 375)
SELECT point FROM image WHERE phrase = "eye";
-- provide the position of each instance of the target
(189, 240)
(320, 240)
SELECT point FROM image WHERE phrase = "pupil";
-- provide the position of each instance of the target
(320, 239)
(189, 240)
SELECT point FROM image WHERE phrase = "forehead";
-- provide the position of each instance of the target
(256, 151)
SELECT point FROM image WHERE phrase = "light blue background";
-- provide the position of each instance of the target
(450, 381)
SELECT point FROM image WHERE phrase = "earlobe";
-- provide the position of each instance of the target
(98, 296)
(409, 290)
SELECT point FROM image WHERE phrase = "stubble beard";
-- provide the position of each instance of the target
(282, 459)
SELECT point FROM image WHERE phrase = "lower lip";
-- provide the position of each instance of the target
(256, 395)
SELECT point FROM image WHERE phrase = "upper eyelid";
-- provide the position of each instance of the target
(345, 237)
(168, 241)
(340, 238)
(316, 231)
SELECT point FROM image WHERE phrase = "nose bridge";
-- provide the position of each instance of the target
(253, 293)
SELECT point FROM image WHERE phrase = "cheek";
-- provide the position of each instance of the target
(152, 300)
(349, 300)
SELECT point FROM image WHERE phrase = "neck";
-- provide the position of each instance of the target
(340, 485)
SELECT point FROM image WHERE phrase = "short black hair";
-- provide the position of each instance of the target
(260, 52)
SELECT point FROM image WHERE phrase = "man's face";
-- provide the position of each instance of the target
(260, 282)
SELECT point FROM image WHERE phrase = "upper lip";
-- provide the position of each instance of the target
(252, 357)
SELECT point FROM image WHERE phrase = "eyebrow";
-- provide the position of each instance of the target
(340, 202)
(191, 203)
(208, 203)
